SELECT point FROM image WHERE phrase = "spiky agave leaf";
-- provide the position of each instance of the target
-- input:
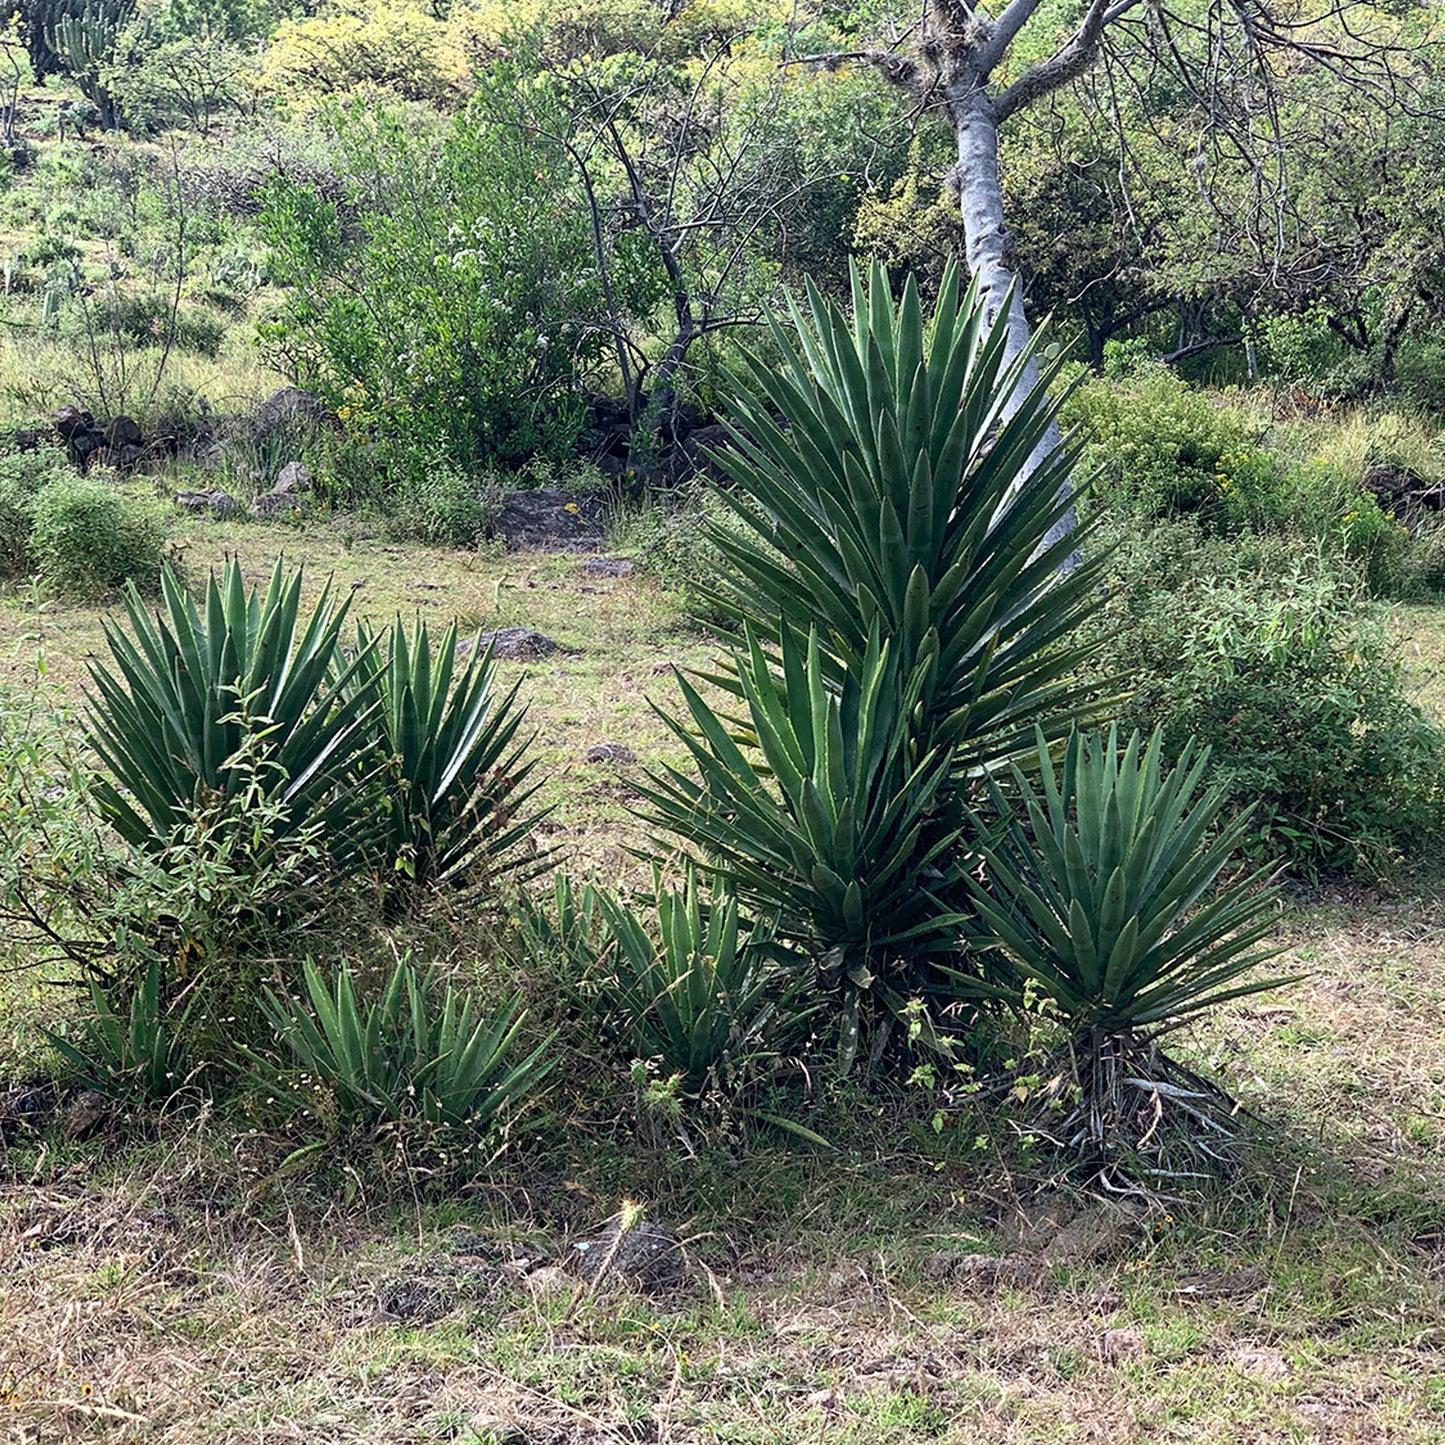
(1101, 895)
(457, 784)
(697, 995)
(402, 1057)
(822, 815)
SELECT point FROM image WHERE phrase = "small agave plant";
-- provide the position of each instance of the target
(456, 782)
(1103, 899)
(205, 681)
(407, 1055)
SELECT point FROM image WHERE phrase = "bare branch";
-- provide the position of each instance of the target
(1002, 34)
(1071, 60)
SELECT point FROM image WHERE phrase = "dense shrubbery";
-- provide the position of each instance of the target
(845, 885)
(1153, 447)
(1274, 657)
(458, 313)
(89, 540)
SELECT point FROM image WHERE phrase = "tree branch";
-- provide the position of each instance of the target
(1002, 34)
(1071, 60)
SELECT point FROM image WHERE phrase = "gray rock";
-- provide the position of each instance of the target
(25, 1106)
(289, 407)
(294, 477)
(605, 566)
(413, 1300)
(270, 505)
(549, 519)
(123, 431)
(646, 1254)
(217, 502)
(610, 753)
(517, 644)
(70, 422)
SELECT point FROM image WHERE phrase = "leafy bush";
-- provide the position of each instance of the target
(458, 315)
(396, 49)
(1103, 899)
(437, 501)
(23, 475)
(1271, 656)
(1156, 447)
(1421, 373)
(90, 540)
(404, 1058)
(148, 320)
(671, 538)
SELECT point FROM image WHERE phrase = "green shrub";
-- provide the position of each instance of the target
(148, 320)
(439, 502)
(1155, 447)
(1420, 369)
(1271, 655)
(48, 251)
(406, 1057)
(89, 540)
(460, 315)
(23, 475)
(16, 525)
(671, 538)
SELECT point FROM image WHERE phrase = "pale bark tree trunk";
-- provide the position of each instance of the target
(987, 242)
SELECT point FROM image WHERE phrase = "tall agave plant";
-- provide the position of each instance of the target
(207, 697)
(902, 623)
(879, 467)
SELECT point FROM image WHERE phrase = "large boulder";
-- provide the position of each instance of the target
(217, 502)
(71, 422)
(123, 431)
(290, 407)
(1402, 490)
(294, 477)
(513, 644)
(549, 519)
